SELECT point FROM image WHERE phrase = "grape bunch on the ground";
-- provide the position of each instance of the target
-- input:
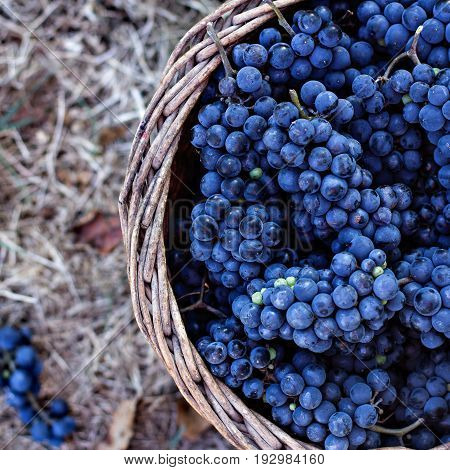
(47, 421)
(316, 282)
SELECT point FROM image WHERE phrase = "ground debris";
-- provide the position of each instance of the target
(121, 428)
(99, 230)
(191, 424)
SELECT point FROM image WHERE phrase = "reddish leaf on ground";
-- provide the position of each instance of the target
(191, 424)
(99, 230)
(108, 135)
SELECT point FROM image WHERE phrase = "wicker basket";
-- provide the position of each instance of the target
(142, 207)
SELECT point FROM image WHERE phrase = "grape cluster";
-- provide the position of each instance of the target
(308, 393)
(230, 143)
(389, 346)
(322, 51)
(317, 166)
(392, 25)
(391, 144)
(19, 379)
(424, 96)
(234, 357)
(318, 309)
(189, 276)
(334, 408)
(327, 166)
(334, 402)
(395, 147)
(373, 213)
(425, 396)
(427, 295)
(232, 241)
(316, 48)
(427, 221)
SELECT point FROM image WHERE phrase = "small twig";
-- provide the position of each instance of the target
(374, 398)
(201, 304)
(376, 405)
(409, 54)
(346, 15)
(398, 432)
(216, 311)
(386, 417)
(203, 288)
(39, 410)
(405, 280)
(296, 100)
(385, 77)
(17, 297)
(229, 71)
(188, 294)
(412, 52)
(281, 19)
(191, 307)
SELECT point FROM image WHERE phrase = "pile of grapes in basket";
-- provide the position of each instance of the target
(317, 284)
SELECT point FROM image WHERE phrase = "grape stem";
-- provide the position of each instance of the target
(188, 295)
(39, 411)
(405, 280)
(37, 408)
(281, 19)
(201, 304)
(204, 306)
(296, 100)
(398, 432)
(411, 53)
(386, 418)
(229, 71)
(345, 16)
(374, 398)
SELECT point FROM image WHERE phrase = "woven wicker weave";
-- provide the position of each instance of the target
(142, 207)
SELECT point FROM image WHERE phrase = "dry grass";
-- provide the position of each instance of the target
(74, 80)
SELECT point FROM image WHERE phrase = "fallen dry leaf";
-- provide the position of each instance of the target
(121, 428)
(191, 423)
(101, 231)
(35, 108)
(110, 134)
(78, 178)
